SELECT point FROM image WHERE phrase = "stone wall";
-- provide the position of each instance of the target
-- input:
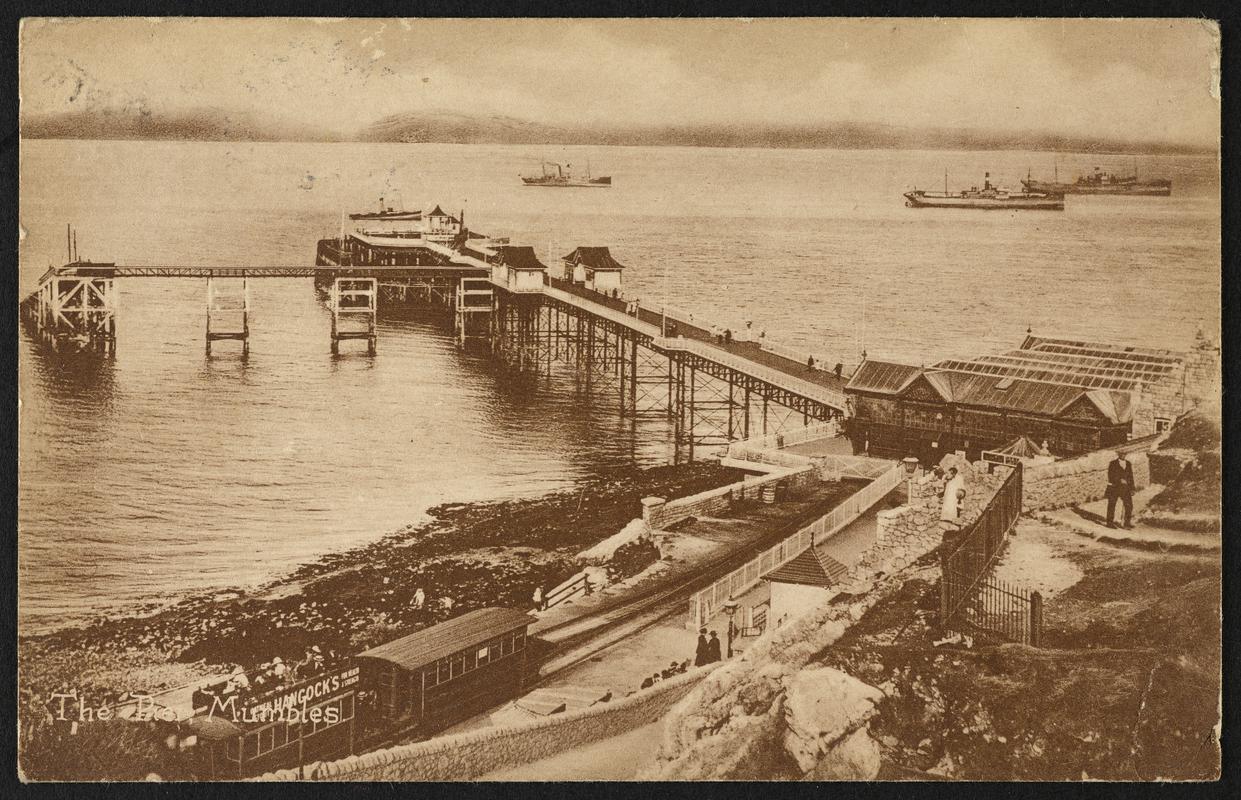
(1202, 370)
(467, 756)
(659, 514)
(1164, 400)
(906, 533)
(1076, 480)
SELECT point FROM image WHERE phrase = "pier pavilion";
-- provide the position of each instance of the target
(1075, 396)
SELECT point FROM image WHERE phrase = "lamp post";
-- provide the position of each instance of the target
(730, 608)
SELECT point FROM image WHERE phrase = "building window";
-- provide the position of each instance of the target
(1162, 424)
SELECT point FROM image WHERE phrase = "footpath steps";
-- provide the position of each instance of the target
(1088, 522)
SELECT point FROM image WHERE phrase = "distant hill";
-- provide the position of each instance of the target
(201, 125)
(453, 127)
(450, 127)
(459, 128)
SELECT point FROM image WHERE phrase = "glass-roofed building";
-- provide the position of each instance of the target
(1074, 396)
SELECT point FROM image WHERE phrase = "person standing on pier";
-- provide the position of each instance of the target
(1119, 485)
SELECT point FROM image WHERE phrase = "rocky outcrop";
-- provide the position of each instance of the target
(743, 709)
(826, 713)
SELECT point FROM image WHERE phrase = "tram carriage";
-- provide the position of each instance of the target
(448, 672)
(412, 686)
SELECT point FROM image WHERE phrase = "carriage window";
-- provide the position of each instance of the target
(483, 655)
(444, 668)
(346, 707)
(234, 749)
(430, 677)
(280, 736)
(267, 739)
(506, 646)
(458, 665)
(252, 745)
(519, 640)
(471, 661)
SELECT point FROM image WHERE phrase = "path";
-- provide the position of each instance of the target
(620, 758)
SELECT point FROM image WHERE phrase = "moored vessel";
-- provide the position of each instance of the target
(387, 213)
(988, 197)
(1100, 182)
(563, 177)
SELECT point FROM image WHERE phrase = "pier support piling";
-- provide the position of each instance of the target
(354, 306)
(222, 309)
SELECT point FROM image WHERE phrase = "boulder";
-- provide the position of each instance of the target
(857, 758)
(823, 709)
(602, 551)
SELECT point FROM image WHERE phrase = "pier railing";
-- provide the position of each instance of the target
(822, 362)
(704, 604)
(775, 377)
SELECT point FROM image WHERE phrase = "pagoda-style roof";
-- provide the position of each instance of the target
(811, 568)
(1023, 447)
(596, 258)
(519, 257)
(439, 212)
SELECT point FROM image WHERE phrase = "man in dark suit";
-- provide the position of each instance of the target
(1119, 485)
(701, 655)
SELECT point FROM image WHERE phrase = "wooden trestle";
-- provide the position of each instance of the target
(709, 395)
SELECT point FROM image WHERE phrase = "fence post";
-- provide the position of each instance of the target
(1036, 619)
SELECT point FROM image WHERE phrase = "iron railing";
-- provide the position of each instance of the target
(971, 600)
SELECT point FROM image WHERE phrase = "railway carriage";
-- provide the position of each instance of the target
(406, 688)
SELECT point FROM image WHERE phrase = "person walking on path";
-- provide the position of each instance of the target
(713, 648)
(703, 651)
(540, 602)
(420, 599)
(1119, 485)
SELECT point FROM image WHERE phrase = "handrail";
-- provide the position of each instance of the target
(563, 592)
(742, 579)
(775, 377)
(820, 360)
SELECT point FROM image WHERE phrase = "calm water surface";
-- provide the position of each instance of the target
(166, 472)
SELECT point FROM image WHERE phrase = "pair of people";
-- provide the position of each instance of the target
(708, 650)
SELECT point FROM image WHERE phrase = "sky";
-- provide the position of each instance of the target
(1141, 80)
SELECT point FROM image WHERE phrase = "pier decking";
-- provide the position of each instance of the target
(658, 364)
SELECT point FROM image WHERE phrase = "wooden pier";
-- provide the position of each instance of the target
(652, 364)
